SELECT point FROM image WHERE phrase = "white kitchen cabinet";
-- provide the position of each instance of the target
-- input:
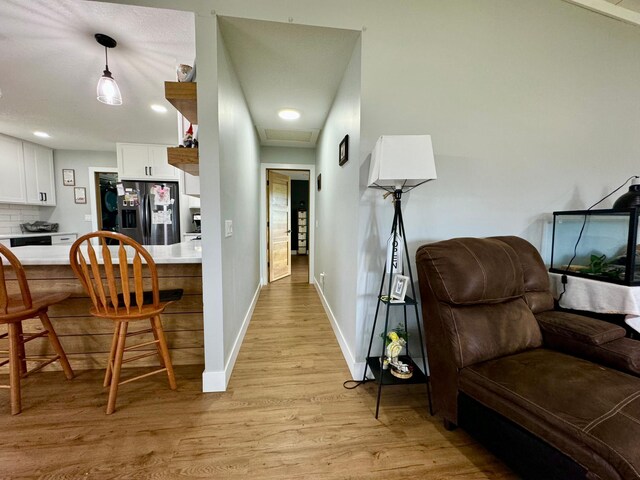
(40, 183)
(64, 239)
(144, 162)
(191, 185)
(12, 187)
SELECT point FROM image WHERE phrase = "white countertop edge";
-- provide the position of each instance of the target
(8, 236)
(179, 253)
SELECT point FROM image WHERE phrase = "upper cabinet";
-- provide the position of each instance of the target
(39, 176)
(183, 96)
(144, 162)
(12, 187)
(26, 173)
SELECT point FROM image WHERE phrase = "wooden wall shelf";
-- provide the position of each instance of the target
(185, 159)
(183, 96)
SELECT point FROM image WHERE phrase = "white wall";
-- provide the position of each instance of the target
(240, 185)
(337, 207)
(68, 214)
(305, 156)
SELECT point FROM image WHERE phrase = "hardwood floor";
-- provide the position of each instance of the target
(284, 416)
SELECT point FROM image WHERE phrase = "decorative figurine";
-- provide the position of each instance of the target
(395, 346)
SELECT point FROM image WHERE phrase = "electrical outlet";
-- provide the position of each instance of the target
(322, 275)
(87, 217)
(228, 228)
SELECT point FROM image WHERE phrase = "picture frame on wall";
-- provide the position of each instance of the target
(68, 177)
(80, 195)
(343, 151)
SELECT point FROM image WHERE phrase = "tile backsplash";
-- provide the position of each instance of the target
(11, 216)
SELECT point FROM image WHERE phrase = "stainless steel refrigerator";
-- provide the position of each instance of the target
(149, 211)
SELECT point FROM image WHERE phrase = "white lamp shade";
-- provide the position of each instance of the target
(402, 161)
(108, 91)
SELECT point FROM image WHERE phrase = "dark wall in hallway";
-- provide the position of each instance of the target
(299, 193)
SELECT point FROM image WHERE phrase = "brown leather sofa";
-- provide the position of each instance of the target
(493, 337)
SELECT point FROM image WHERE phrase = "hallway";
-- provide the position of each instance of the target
(285, 415)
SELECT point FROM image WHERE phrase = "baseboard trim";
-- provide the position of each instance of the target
(217, 381)
(356, 368)
(213, 381)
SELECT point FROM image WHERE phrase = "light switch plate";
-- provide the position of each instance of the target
(228, 228)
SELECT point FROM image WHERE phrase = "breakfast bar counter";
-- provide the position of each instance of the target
(87, 339)
(178, 253)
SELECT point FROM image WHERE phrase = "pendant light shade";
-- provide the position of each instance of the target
(107, 91)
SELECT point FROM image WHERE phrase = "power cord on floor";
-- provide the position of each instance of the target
(356, 383)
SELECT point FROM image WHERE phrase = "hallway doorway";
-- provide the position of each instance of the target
(287, 223)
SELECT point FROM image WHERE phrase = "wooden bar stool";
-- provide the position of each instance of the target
(14, 309)
(117, 293)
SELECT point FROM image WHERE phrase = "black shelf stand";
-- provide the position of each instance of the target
(374, 363)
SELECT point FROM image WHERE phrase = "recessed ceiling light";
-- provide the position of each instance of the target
(42, 134)
(159, 108)
(289, 114)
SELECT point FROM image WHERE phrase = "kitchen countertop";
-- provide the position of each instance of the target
(185, 252)
(29, 234)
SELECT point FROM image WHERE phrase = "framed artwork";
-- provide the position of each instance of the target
(399, 287)
(68, 177)
(319, 180)
(343, 151)
(80, 195)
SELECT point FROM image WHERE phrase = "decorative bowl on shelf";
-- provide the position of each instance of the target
(185, 73)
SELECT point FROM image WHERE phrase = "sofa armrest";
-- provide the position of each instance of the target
(578, 328)
(594, 340)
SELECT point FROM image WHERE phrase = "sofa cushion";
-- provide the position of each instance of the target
(589, 412)
(578, 327)
(482, 332)
(536, 278)
(468, 271)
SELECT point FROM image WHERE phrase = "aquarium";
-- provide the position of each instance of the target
(605, 251)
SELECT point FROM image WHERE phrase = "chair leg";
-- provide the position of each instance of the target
(21, 349)
(14, 368)
(112, 354)
(117, 364)
(57, 346)
(162, 342)
(155, 336)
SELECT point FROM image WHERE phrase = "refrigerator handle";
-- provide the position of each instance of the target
(148, 224)
(143, 214)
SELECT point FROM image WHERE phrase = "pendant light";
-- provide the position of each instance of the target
(108, 91)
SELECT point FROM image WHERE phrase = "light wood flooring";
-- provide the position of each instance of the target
(284, 416)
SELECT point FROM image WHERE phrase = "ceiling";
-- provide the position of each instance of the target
(294, 174)
(282, 65)
(51, 64)
(633, 5)
(625, 10)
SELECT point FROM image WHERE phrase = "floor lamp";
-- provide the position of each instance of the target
(399, 163)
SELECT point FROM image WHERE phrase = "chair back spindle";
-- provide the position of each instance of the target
(8, 262)
(113, 289)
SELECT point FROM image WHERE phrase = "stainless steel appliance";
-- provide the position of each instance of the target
(196, 222)
(149, 212)
(33, 240)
